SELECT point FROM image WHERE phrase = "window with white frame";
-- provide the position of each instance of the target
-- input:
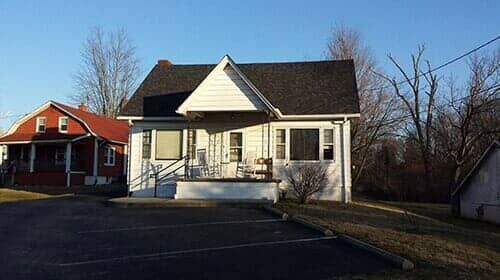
(168, 144)
(328, 144)
(304, 144)
(63, 124)
(146, 144)
(40, 124)
(235, 146)
(60, 156)
(109, 156)
(280, 143)
(192, 143)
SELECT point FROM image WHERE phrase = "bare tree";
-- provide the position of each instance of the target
(306, 180)
(470, 117)
(417, 93)
(378, 114)
(108, 73)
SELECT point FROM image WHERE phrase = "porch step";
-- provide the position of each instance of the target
(127, 202)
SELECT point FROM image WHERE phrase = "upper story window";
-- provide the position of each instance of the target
(63, 124)
(109, 156)
(40, 124)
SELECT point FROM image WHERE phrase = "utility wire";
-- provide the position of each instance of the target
(440, 66)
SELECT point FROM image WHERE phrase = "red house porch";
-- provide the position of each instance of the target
(60, 145)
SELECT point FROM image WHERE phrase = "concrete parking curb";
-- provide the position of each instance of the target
(313, 226)
(166, 203)
(277, 212)
(298, 220)
(396, 260)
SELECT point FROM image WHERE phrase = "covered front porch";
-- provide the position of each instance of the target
(62, 163)
(224, 155)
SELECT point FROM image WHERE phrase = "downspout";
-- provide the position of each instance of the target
(129, 162)
(268, 134)
(345, 196)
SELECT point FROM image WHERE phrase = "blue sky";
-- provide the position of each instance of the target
(40, 41)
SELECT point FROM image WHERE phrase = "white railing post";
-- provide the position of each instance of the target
(68, 164)
(32, 158)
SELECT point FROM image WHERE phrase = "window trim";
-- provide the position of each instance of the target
(323, 144)
(242, 147)
(60, 123)
(181, 146)
(37, 128)
(106, 156)
(189, 144)
(290, 144)
(63, 162)
(284, 144)
(150, 144)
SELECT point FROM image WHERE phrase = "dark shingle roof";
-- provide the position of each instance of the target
(295, 88)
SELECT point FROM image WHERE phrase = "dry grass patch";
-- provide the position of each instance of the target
(8, 195)
(441, 247)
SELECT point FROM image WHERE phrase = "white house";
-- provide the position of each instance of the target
(478, 195)
(231, 130)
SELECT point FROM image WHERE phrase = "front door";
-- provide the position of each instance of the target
(234, 153)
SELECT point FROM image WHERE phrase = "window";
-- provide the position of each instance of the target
(304, 144)
(109, 156)
(24, 154)
(63, 124)
(168, 144)
(192, 143)
(280, 143)
(328, 144)
(235, 146)
(40, 124)
(60, 156)
(146, 144)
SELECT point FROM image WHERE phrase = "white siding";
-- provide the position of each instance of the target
(255, 141)
(224, 90)
(483, 190)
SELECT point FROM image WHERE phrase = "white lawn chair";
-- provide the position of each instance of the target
(246, 168)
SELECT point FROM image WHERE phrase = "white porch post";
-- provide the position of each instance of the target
(96, 158)
(68, 164)
(32, 157)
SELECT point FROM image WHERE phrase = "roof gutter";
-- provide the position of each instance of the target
(320, 117)
(139, 118)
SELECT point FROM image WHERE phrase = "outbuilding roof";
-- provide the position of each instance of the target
(484, 157)
(295, 88)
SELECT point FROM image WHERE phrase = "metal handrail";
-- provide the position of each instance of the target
(169, 173)
(155, 175)
(170, 165)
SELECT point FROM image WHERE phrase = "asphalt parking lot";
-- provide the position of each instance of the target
(81, 238)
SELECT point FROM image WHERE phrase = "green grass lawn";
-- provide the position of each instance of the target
(441, 246)
(8, 195)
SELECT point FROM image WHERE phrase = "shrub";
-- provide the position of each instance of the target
(306, 180)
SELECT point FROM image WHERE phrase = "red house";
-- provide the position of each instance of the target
(60, 145)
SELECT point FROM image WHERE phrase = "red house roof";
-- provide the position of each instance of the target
(106, 128)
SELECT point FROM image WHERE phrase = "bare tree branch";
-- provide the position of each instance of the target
(108, 73)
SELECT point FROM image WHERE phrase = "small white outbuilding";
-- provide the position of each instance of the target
(478, 195)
